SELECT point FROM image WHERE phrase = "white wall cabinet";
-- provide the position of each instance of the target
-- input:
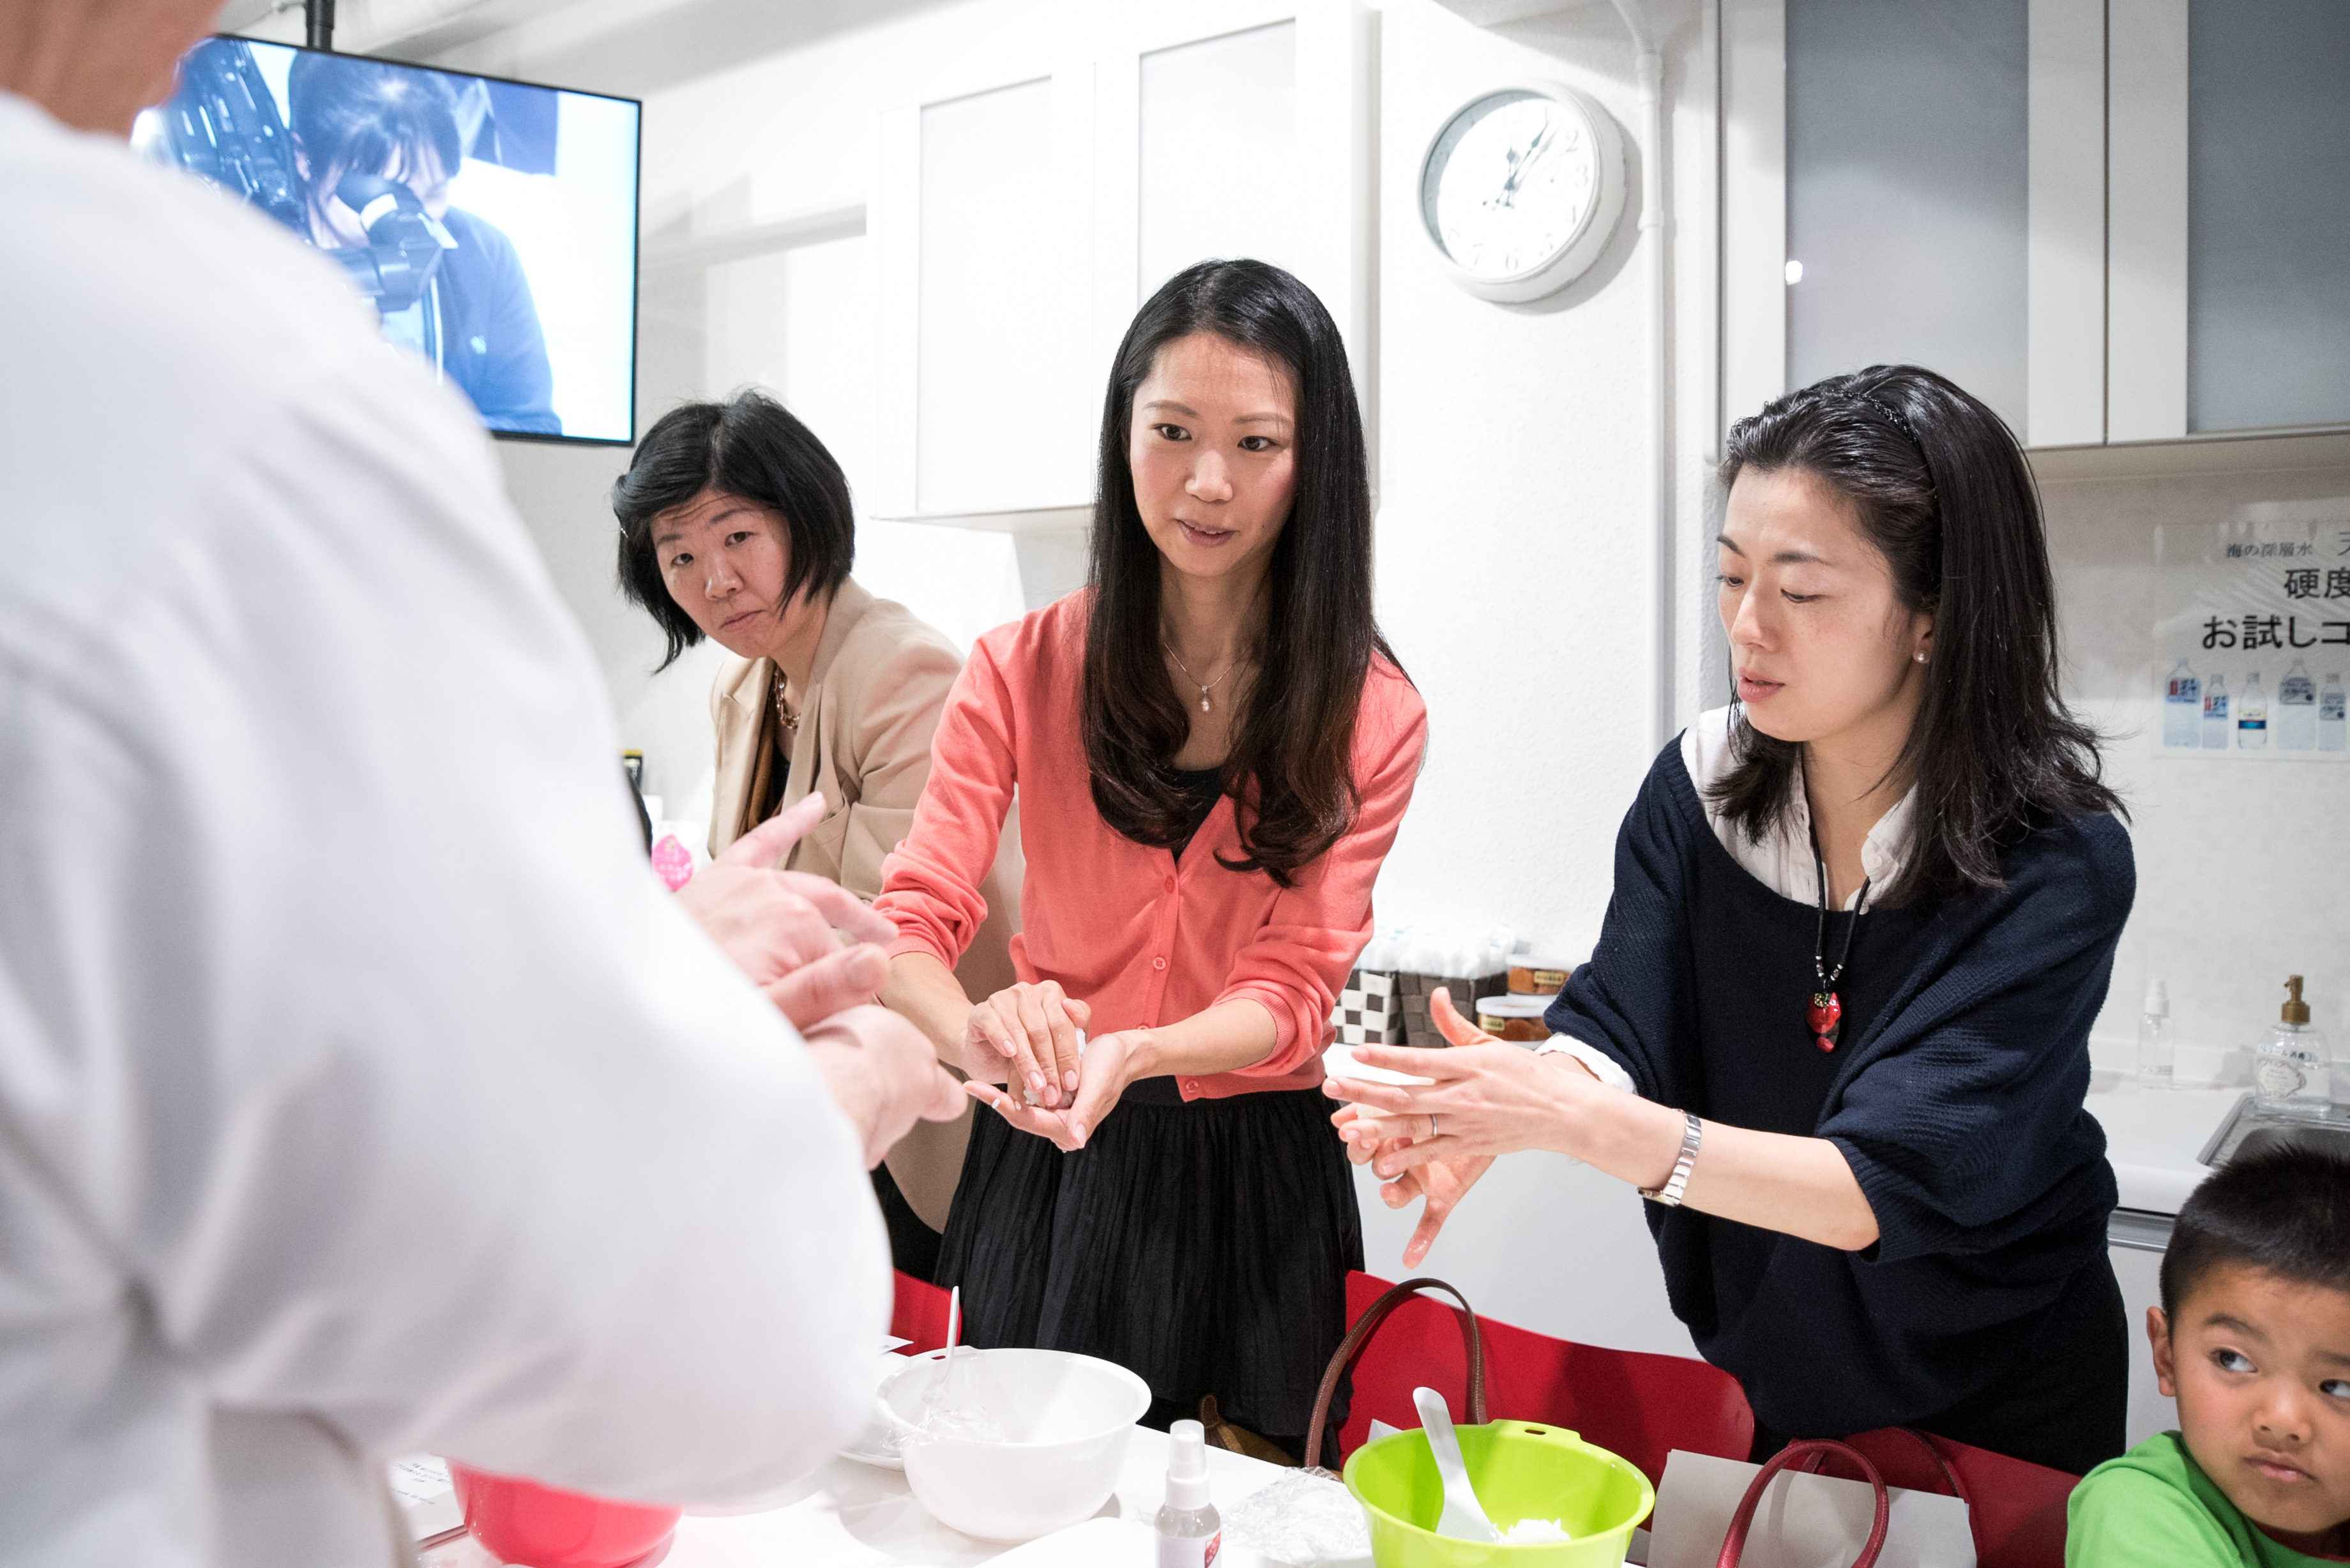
(1025, 220)
(2116, 221)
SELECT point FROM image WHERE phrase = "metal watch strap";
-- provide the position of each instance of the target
(1669, 1194)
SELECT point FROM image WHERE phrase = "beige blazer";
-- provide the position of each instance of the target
(873, 700)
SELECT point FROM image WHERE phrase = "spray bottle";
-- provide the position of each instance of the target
(1190, 1533)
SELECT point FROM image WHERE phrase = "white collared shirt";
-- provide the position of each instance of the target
(361, 1091)
(1781, 861)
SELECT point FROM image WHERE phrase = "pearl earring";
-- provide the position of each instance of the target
(1921, 658)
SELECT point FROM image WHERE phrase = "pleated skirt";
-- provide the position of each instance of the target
(1204, 1246)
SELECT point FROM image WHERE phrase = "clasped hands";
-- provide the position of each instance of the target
(780, 928)
(1027, 1058)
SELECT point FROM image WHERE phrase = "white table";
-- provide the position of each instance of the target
(849, 1515)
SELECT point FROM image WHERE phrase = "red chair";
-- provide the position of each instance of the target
(919, 1314)
(1632, 1403)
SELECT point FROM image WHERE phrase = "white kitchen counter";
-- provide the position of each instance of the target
(2153, 1135)
(849, 1515)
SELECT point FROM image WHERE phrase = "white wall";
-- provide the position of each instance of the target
(2240, 875)
(1513, 526)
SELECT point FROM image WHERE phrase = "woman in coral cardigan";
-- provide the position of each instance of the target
(1212, 747)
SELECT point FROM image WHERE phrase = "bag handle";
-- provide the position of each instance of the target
(1933, 1451)
(1351, 1348)
(1734, 1544)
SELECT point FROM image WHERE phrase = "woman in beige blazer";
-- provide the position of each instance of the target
(735, 524)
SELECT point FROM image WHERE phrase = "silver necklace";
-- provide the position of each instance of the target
(1193, 679)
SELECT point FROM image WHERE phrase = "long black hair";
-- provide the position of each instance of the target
(1290, 760)
(1942, 491)
(751, 446)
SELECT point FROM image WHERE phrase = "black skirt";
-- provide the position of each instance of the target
(1202, 1245)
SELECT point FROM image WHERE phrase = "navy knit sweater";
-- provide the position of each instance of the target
(1956, 1095)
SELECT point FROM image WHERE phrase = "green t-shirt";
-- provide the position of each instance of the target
(2154, 1508)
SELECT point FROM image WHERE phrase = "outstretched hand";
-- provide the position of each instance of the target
(883, 1075)
(775, 924)
(1432, 1141)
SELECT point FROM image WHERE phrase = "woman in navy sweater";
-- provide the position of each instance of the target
(1862, 921)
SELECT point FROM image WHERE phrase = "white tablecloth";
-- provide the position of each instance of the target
(850, 1514)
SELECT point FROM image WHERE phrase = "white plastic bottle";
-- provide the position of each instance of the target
(2291, 1068)
(2252, 715)
(1190, 1533)
(2333, 716)
(2215, 714)
(2157, 1045)
(2182, 707)
(2296, 718)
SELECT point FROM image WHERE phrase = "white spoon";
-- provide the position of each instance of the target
(1463, 1518)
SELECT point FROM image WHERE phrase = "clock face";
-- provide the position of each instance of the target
(1514, 181)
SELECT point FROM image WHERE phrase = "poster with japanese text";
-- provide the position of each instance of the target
(2253, 633)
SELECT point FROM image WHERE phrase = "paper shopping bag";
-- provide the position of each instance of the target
(1800, 1521)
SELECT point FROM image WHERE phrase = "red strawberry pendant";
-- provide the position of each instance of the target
(1826, 1016)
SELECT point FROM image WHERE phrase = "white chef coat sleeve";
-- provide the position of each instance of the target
(421, 1108)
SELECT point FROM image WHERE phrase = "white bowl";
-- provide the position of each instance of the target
(1066, 1419)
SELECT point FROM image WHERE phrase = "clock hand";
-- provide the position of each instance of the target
(1519, 165)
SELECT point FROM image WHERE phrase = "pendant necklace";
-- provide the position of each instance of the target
(1194, 680)
(1825, 1015)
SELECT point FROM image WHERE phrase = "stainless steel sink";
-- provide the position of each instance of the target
(2251, 1129)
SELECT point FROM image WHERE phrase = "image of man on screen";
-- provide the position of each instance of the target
(475, 319)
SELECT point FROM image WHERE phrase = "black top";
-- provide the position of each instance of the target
(1956, 1095)
(1203, 787)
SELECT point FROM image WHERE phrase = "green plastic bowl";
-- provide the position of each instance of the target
(1521, 1470)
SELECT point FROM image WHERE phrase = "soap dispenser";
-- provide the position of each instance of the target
(2290, 1068)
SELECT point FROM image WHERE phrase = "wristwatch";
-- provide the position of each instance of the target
(1669, 1194)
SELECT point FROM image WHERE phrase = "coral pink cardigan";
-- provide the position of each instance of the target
(1144, 938)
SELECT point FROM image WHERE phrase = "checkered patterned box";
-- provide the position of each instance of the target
(1367, 1012)
(1414, 992)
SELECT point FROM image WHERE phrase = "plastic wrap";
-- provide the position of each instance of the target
(1306, 1518)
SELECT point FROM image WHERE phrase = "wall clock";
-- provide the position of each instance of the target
(1521, 188)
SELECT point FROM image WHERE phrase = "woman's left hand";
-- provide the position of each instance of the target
(1104, 1070)
(1489, 1097)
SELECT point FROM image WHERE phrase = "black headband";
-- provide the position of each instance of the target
(1900, 424)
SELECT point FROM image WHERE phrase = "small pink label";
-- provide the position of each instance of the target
(673, 862)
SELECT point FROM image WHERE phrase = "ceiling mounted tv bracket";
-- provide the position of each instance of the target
(319, 23)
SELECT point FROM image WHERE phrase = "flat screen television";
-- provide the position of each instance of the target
(491, 223)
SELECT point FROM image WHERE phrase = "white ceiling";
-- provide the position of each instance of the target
(629, 47)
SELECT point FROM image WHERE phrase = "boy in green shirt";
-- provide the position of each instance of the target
(2252, 1339)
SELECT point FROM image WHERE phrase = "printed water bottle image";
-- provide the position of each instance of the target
(2333, 718)
(2296, 725)
(2182, 708)
(2252, 715)
(2215, 714)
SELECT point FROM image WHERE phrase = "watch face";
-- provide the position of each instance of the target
(1509, 182)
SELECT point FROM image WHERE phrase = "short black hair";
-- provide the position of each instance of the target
(752, 446)
(352, 113)
(2284, 1211)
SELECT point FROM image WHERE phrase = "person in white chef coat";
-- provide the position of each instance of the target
(361, 1092)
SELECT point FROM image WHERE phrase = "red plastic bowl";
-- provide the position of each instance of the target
(522, 1521)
